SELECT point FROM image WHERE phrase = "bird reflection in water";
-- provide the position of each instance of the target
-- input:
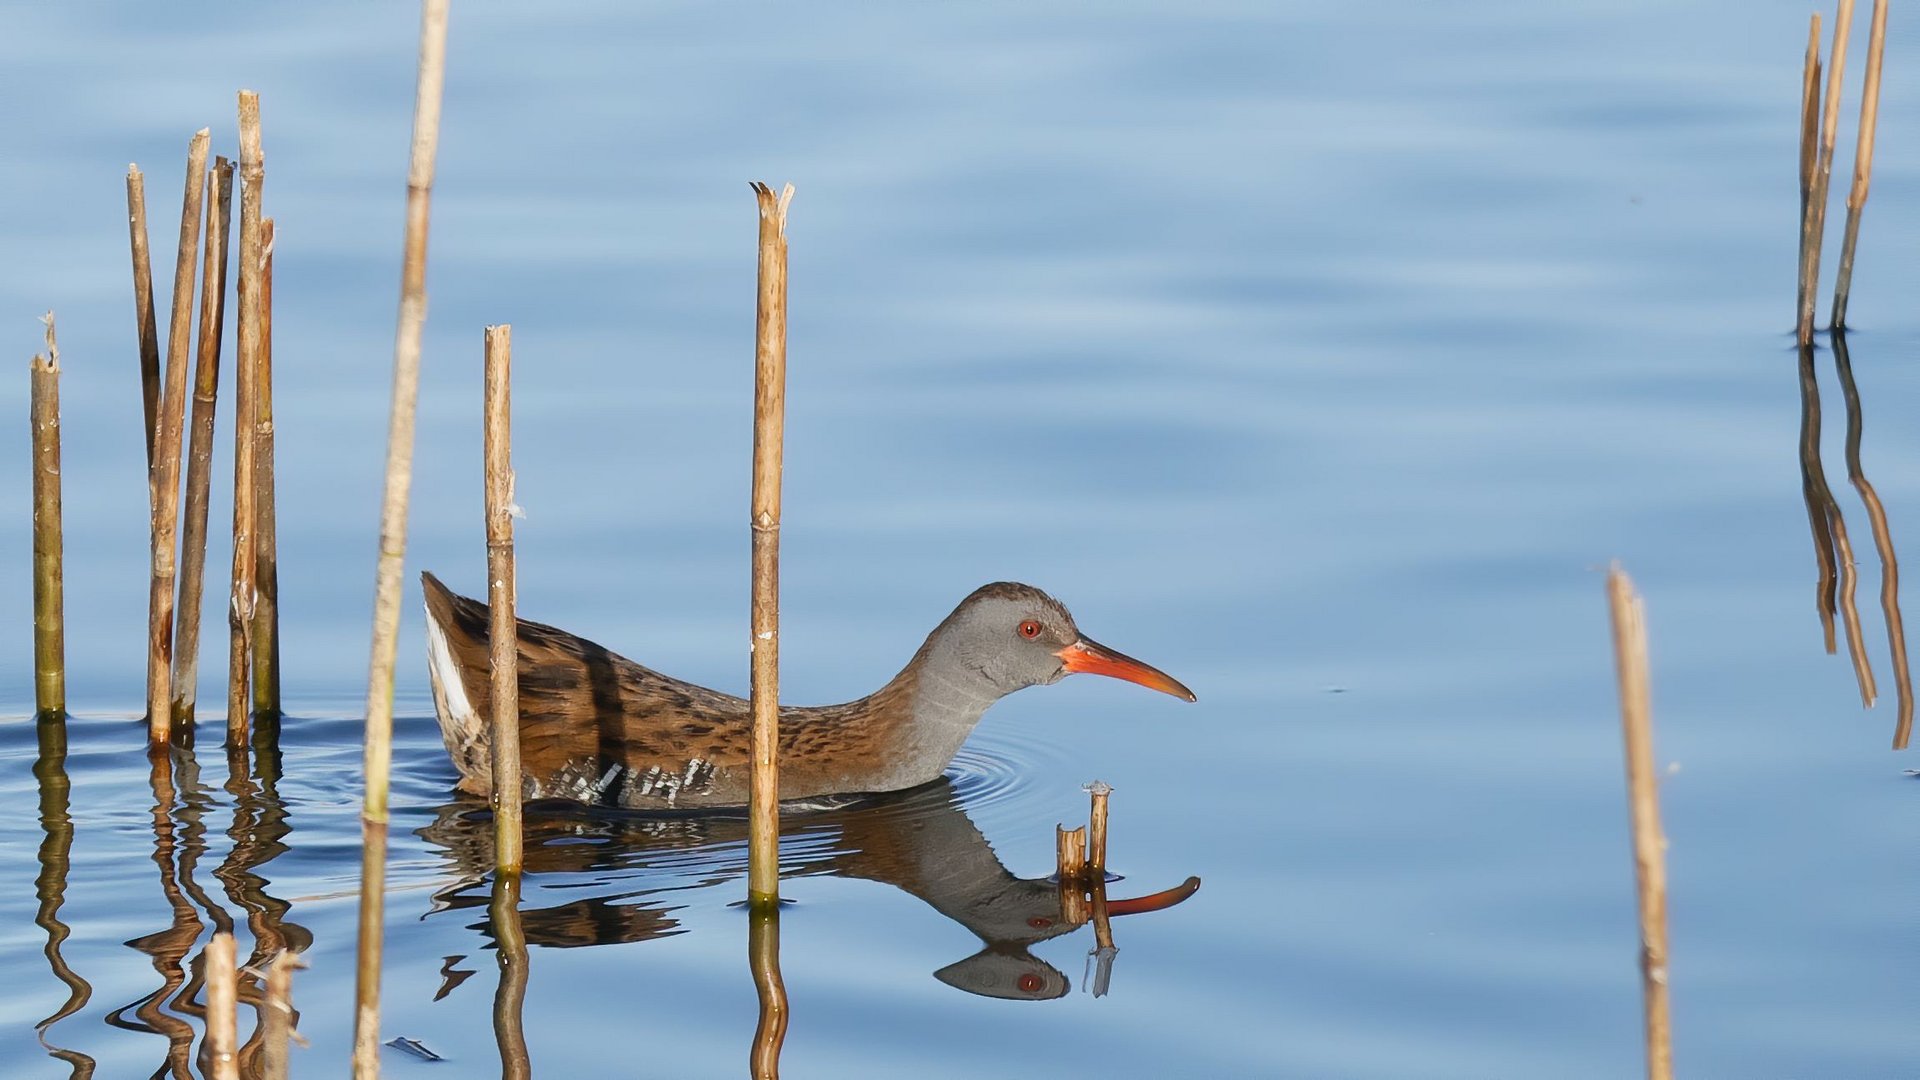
(920, 841)
(1833, 549)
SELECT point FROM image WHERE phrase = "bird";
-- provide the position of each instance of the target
(598, 728)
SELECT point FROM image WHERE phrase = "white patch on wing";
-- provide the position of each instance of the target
(459, 724)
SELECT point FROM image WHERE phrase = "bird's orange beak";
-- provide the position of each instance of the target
(1094, 658)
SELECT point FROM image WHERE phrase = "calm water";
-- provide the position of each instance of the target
(1322, 356)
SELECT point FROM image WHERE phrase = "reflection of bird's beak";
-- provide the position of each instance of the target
(1094, 658)
(1159, 901)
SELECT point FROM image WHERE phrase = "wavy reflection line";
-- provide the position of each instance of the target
(167, 947)
(50, 886)
(258, 834)
(1882, 541)
(1831, 545)
(510, 994)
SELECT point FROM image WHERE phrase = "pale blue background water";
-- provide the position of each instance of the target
(1322, 356)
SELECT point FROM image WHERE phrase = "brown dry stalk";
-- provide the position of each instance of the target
(393, 536)
(769, 433)
(206, 378)
(1862, 162)
(223, 1062)
(163, 470)
(1809, 154)
(265, 636)
(1100, 790)
(502, 629)
(1071, 869)
(278, 1016)
(1823, 168)
(149, 335)
(246, 410)
(1643, 801)
(49, 585)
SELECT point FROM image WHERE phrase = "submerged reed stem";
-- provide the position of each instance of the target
(1643, 802)
(49, 584)
(503, 630)
(393, 536)
(1862, 162)
(206, 380)
(163, 471)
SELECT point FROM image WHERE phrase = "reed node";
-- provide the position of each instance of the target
(206, 379)
(1643, 801)
(148, 333)
(1862, 162)
(769, 431)
(223, 983)
(49, 583)
(163, 471)
(393, 535)
(503, 629)
(246, 410)
(264, 636)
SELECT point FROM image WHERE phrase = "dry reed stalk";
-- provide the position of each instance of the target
(1809, 155)
(510, 994)
(1823, 168)
(49, 583)
(246, 410)
(206, 378)
(1643, 799)
(223, 1062)
(763, 955)
(149, 334)
(1099, 790)
(503, 629)
(163, 469)
(1882, 542)
(1862, 162)
(1071, 868)
(393, 535)
(265, 626)
(278, 1015)
(769, 433)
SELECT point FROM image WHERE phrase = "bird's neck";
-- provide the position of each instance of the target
(923, 715)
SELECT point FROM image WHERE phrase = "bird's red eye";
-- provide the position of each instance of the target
(1029, 629)
(1031, 983)
(1039, 922)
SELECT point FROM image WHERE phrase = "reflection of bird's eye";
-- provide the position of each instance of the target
(1039, 922)
(1029, 629)
(1031, 983)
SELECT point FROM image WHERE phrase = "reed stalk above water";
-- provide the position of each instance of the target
(503, 630)
(49, 585)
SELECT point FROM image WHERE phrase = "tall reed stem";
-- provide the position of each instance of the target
(246, 411)
(223, 1060)
(769, 433)
(148, 333)
(1823, 168)
(278, 1016)
(1862, 162)
(1809, 157)
(163, 472)
(1643, 801)
(49, 585)
(393, 535)
(265, 636)
(503, 629)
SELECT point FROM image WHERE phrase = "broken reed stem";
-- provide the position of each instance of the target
(1099, 790)
(149, 335)
(49, 595)
(763, 955)
(393, 535)
(223, 1062)
(503, 630)
(246, 406)
(163, 470)
(1071, 869)
(1862, 162)
(510, 993)
(1823, 168)
(769, 432)
(264, 627)
(278, 1016)
(1809, 154)
(206, 378)
(1643, 799)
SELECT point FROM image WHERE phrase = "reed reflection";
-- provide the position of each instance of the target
(921, 842)
(166, 948)
(50, 886)
(1833, 552)
(510, 993)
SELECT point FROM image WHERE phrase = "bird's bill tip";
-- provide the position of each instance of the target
(1092, 658)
